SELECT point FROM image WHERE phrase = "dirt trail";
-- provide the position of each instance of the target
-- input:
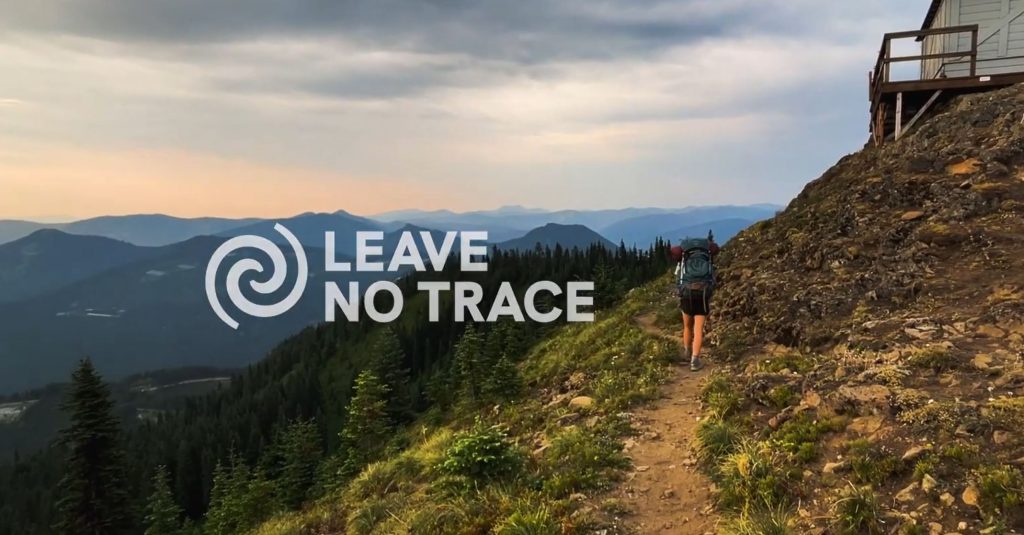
(666, 491)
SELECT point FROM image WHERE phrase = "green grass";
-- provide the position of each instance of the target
(801, 435)
(720, 397)
(792, 360)
(857, 512)
(936, 358)
(716, 439)
(872, 464)
(1002, 492)
(756, 475)
(762, 521)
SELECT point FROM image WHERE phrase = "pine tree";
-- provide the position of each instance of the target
(94, 499)
(469, 365)
(389, 365)
(164, 514)
(368, 425)
(504, 382)
(240, 499)
(299, 452)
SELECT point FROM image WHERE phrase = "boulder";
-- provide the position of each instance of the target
(582, 402)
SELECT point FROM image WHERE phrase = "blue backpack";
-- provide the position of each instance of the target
(696, 270)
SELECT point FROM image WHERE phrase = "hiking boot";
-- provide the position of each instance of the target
(696, 364)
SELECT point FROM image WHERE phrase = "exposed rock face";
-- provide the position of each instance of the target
(895, 282)
(934, 220)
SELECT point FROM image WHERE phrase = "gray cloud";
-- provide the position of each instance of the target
(568, 92)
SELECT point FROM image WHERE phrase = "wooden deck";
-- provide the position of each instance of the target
(896, 106)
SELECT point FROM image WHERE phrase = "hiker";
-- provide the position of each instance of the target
(695, 282)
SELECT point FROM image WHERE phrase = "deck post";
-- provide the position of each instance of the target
(899, 114)
(974, 52)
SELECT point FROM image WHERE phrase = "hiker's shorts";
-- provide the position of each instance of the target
(695, 302)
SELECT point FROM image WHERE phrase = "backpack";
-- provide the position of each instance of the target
(696, 270)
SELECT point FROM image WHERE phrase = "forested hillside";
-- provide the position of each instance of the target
(304, 422)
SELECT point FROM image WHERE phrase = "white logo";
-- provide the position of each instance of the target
(239, 268)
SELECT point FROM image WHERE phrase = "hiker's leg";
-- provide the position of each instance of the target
(698, 334)
(687, 330)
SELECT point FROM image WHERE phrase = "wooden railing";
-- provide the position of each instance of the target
(880, 75)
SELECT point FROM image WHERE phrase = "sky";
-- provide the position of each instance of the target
(272, 107)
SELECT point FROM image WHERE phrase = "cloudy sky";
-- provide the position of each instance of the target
(274, 107)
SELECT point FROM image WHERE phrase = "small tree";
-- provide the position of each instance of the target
(163, 513)
(300, 451)
(368, 425)
(94, 498)
(469, 364)
(504, 382)
(389, 365)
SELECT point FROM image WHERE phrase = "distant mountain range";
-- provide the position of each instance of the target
(554, 234)
(633, 226)
(134, 303)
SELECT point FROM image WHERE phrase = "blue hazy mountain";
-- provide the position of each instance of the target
(142, 229)
(724, 230)
(553, 234)
(13, 229)
(644, 229)
(148, 314)
(309, 229)
(49, 259)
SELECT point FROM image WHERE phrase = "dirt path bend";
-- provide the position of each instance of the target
(666, 492)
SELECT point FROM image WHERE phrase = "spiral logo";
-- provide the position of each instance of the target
(239, 268)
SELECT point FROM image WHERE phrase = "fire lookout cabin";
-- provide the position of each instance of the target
(967, 46)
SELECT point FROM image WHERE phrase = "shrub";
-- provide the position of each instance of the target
(580, 460)
(754, 476)
(782, 396)
(935, 358)
(857, 512)
(762, 521)
(716, 439)
(871, 464)
(790, 360)
(482, 453)
(720, 397)
(800, 435)
(534, 522)
(1001, 489)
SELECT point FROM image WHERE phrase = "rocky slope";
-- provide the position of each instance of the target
(875, 330)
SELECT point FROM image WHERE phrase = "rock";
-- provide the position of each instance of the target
(928, 483)
(866, 399)
(982, 361)
(934, 528)
(947, 499)
(577, 497)
(907, 494)
(831, 468)
(990, 331)
(866, 425)
(970, 496)
(962, 526)
(643, 468)
(912, 215)
(668, 494)
(965, 167)
(811, 399)
(914, 453)
(581, 402)
(1001, 437)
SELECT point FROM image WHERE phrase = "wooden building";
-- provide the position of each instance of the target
(966, 46)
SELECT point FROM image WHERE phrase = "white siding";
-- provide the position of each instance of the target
(1001, 46)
